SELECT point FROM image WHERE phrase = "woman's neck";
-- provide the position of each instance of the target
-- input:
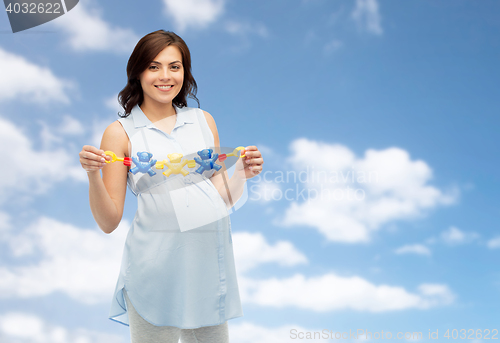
(157, 112)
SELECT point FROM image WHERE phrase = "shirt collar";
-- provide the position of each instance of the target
(140, 119)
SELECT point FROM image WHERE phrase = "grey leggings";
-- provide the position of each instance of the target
(142, 331)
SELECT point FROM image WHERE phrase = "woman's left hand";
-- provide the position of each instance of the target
(252, 163)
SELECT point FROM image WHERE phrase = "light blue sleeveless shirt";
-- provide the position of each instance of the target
(178, 263)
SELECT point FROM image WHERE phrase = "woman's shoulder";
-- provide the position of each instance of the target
(115, 138)
(115, 130)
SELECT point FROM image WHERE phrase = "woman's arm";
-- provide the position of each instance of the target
(236, 184)
(107, 194)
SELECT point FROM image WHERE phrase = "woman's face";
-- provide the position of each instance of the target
(163, 78)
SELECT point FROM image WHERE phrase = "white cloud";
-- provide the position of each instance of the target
(33, 171)
(27, 82)
(304, 155)
(454, 236)
(5, 224)
(243, 28)
(494, 243)
(367, 16)
(53, 135)
(98, 128)
(413, 249)
(112, 107)
(97, 132)
(331, 222)
(87, 31)
(18, 327)
(48, 136)
(346, 198)
(112, 104)
(82, 263)
(435, 295)
(266, 151)
(331, 292)
(253, 250)
(70, 126)
(193, 13)
(264, 191)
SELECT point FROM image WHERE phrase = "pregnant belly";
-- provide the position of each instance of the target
(182, 205)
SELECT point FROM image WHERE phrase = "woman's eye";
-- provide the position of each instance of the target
(151, 67)
(176, 67)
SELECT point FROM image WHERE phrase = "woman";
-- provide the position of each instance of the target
(178, 277)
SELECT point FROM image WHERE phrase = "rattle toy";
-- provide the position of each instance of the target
(207, 161)
(174, 165)
(144, 164)
(126, 160)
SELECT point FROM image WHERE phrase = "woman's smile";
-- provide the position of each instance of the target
(164, 88)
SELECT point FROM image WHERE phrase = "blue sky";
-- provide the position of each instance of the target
(406, 90)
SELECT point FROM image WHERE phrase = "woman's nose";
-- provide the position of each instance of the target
(164, 74)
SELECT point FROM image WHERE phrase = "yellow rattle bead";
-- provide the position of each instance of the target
(235, 152)
(241, 148)
(113, 156)
(159, 164)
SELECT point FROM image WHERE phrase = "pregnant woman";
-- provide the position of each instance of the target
(177, 278)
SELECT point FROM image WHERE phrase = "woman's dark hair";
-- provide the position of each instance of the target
(144, 53)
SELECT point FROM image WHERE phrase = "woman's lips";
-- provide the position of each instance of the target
(165, 88)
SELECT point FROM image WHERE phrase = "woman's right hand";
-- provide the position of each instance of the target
(93, 159)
